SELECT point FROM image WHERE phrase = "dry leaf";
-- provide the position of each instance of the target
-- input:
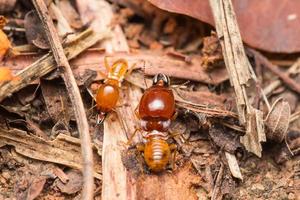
(73, 185)
(5, 74)
(4, 44)
(36, 188)
(35, 33)
(278, 120)
(256, 24)
(7, 5)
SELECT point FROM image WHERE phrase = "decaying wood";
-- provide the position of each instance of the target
(75, 96)
(116, 180)
(47, 63)
(64, 150)
(240, 73)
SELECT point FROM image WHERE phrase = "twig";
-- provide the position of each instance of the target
(275, 69)
(218, 182)
(275, 84)
(47, 63)
(71, 85)
(240, 73)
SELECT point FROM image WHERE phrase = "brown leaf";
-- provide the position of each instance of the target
(36, 187)
(34, 31)
(57, 103)
(255, 21)
(7, 5)
(73, 185)
(224, 139)
(70, 14)
(152, 61)
(278, 120)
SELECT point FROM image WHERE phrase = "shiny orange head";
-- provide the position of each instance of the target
(118, 70)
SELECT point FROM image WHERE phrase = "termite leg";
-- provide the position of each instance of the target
(106, 64)
(129, 71)
(174, 116)
(136, 112)
(173, 135)
(140, 147)
(132, 136)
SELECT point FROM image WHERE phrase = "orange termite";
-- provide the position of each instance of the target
(156, 110)
(108, 93)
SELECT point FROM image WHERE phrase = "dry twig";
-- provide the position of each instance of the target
(71, 85)
(240, 72)
(275, 69)
(47, 63)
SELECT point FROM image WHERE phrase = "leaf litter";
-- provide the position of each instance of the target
(38, 126)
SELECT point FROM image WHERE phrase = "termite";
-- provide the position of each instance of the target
(108, 93)
(155, 112)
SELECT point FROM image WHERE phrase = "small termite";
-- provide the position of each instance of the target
(155, 112)
(108, 93)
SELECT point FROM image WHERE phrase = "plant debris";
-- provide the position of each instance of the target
(235, 133)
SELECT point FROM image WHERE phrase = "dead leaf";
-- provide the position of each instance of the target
(5, 74)
(7, 5)
(70, 14)
(4, 44)
(36, 187)
(224, 139)
(257, 26)
(73, 185)
(152, 62)
(57, 103)
(278, 120)
(35, 33)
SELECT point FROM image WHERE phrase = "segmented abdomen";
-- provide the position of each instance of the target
(157, 154)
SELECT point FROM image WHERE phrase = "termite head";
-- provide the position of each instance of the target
(118, 70)
(161, 79)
